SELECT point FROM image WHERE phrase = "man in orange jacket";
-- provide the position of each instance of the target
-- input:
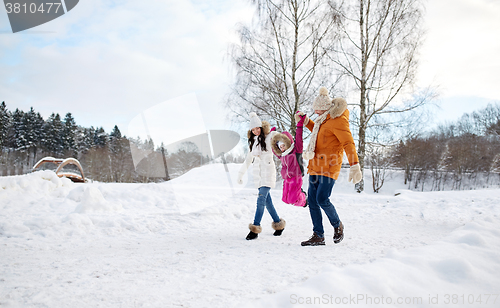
(330, 137)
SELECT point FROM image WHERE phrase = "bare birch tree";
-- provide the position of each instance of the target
(377, 52)
(379, 160)
(281, 61)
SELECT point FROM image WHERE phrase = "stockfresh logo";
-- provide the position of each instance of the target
(29, 14)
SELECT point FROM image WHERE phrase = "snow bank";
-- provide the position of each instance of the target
(40, 182)
(42, 204)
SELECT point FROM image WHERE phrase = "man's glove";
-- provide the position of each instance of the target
(355, 174)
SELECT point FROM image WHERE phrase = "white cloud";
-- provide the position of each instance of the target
(106, 64)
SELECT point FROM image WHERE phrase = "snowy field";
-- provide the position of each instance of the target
(182, 244)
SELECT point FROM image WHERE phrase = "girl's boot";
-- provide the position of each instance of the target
(254, 231)
(278, 227)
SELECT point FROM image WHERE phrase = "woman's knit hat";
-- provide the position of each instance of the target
(254, 120)
(322, 101)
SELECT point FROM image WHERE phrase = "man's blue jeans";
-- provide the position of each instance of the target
(264, 201)
(318, 197)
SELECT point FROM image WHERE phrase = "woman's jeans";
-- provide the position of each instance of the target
(318, 197)
(264, 201)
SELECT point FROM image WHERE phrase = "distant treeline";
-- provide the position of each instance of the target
(460, 155)
(25, 138)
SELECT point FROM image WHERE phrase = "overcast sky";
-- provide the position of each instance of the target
(108, 62)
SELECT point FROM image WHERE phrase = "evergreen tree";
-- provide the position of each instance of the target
(17, 137)
(5, 123)
(15, 142)
(89, 137)
(118, 154)
(100, 138)
(114, 140)
(69, 135)
(34, 135)
(29, 133)
(83, 139)
(54, 135)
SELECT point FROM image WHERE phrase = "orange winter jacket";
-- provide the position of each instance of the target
(334, 137)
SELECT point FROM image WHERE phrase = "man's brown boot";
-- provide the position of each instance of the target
(339, 234)
(315, 240)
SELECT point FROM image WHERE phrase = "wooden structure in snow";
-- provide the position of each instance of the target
(80, 178)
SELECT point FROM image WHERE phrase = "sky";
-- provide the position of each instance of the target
(460, 55)
(109, 62)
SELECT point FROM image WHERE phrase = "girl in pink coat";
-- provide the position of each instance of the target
(292, 170)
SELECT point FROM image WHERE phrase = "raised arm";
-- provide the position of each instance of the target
(299, 142)
(307, 122)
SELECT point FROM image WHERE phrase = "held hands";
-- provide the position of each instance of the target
(301, 118)
(355, 174)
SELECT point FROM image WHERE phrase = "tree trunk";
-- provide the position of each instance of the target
(294, 71)
(362, 100)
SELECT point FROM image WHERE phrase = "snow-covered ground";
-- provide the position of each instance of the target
(182, 244)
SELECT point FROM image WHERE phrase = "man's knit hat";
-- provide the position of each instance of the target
(322, 101)
(254, 120)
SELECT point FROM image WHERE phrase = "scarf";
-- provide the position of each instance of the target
(289, 150)
(309, 152)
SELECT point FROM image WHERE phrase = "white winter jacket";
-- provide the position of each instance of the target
(264, 169)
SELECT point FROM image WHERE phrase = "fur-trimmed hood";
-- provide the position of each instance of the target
(265, 126)
(284, 137)
(338, 107)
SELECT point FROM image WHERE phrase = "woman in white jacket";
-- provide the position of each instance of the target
(264, 174)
